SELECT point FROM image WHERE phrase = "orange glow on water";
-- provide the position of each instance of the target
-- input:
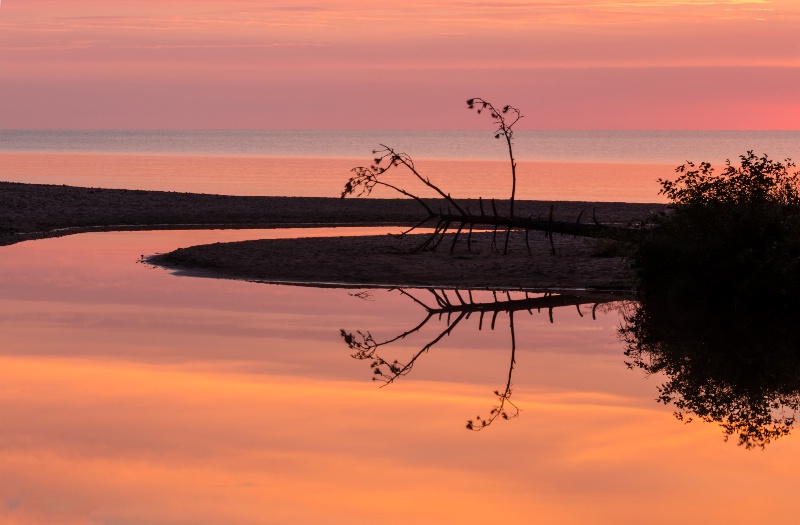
(131, 395)
(94, 440)
(326, 177)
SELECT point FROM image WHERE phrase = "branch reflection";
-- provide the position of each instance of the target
(455, 306)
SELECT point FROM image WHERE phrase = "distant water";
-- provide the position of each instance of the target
(553, 165)
(654, 147)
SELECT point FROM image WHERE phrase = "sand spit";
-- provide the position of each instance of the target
(34, 211)
(389, 260)
(31, 211)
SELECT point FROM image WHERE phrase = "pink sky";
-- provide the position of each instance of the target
(354, 64)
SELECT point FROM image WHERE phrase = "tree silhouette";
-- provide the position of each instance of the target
(733, 235)
(504, 129)
(457, 216)
(718, 278)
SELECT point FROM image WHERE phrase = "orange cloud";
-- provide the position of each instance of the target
(316, 44)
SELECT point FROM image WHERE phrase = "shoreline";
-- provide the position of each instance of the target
(32, 211)
(37, 211)
(389, 261)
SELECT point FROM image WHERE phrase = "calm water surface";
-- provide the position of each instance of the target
(561, 165)
(129, 395)
(132, 396)
(562, 146)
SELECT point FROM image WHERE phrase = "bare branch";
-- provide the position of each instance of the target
(504, 119)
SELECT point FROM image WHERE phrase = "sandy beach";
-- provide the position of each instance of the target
(391, 261)
(30, 211)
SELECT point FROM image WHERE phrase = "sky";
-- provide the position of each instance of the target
(356, 64)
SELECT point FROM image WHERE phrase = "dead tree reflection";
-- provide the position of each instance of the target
(455, 306)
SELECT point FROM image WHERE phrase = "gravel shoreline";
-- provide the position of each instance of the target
(35, 211)
(391, 261)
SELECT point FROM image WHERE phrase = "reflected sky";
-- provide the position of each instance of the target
(323, 177)
(130, 395)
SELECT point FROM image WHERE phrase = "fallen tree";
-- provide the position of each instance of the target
(458, 218)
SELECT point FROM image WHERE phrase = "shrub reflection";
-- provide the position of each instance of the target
(726, 362)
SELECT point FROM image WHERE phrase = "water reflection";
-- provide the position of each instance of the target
(453, 307)
(731, 363)
(734, 366)
(133, 396)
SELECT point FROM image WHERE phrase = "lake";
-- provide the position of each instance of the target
(132, 396)
(553, 165)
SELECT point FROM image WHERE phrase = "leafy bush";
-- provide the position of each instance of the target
(718, 276)
(733, 235)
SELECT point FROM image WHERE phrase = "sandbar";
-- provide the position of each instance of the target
(35, 211)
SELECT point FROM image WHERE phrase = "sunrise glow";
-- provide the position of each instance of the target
(351, 64)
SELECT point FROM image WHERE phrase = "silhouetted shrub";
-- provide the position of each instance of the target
(718, 279)
(734, 235)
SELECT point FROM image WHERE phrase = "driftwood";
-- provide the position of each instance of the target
(458, 219)
(468, 222)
